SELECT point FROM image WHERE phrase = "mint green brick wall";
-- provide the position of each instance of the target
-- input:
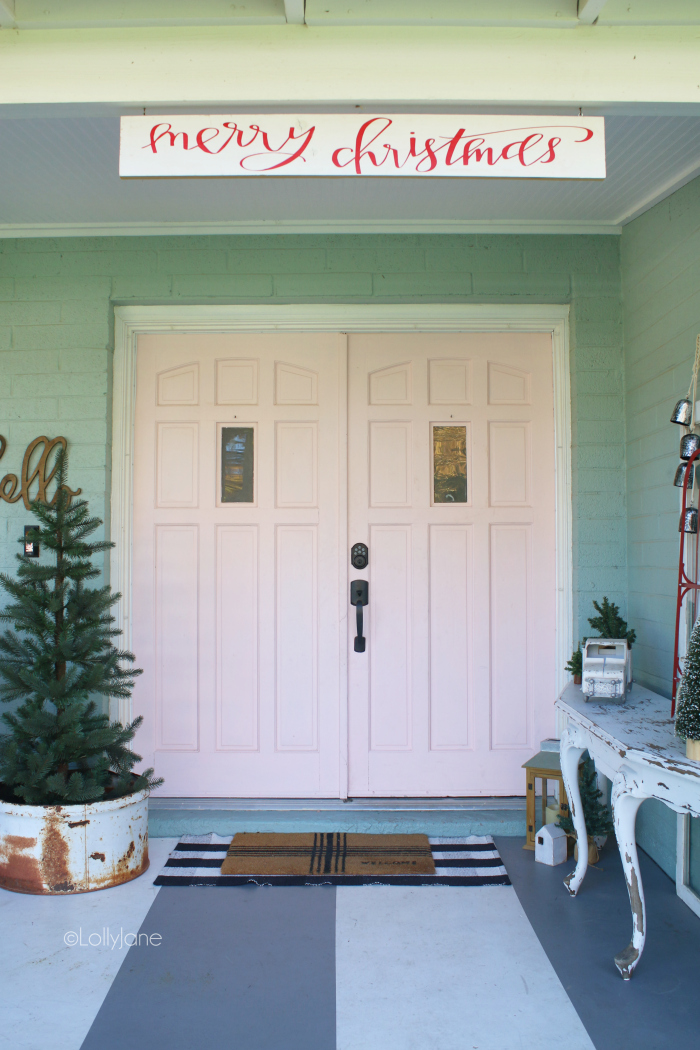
(661, 288)
(57, 297)
(660, 262)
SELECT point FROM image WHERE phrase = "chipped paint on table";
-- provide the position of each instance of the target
(635, 746)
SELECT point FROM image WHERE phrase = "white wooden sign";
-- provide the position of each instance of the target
(416, 145)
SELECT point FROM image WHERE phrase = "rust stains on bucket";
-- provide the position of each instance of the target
(18, 870)
(54, 856)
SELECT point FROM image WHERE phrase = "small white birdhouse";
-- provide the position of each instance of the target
(607, 668)
(550, 845)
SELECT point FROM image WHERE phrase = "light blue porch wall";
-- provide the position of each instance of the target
(661, 293)
(56, 299)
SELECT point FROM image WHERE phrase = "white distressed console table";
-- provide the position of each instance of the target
(634, 745)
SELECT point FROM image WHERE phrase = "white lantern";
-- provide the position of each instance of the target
(607, 668)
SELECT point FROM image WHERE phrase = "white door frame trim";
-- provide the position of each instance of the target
(130, 321)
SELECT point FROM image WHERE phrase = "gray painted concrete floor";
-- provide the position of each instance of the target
(364, 968)
(658, 1008)
(250, 968)
(338, 968)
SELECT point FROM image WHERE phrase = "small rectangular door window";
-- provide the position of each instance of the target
(449, 464)
(237, 464)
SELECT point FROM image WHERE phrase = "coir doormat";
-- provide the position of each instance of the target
(472, 861)
(328, 854)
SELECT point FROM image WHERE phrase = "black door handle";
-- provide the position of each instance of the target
(359, 596)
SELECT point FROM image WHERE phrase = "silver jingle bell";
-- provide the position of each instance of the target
(689, 520)
(690, 443)
(680, 476)
(683, 412)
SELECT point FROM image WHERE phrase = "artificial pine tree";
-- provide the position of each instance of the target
(575, 664)
(688, 709)
(60, 748)
(610, 624)
(596, 814)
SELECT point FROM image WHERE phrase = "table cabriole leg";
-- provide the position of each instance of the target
(625, 806)
(570, 758)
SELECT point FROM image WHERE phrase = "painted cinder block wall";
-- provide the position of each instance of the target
(56, 329)
(56, 325)
(660, 263)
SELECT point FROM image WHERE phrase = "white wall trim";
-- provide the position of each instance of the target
(563, 503)
(130, 321)
(121, 503)
(296, 226)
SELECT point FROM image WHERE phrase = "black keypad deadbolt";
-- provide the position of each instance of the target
(359, 556)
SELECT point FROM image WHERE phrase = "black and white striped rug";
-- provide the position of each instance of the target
(472, 861)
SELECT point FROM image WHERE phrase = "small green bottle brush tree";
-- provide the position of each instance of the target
(596, 814)
(688, 706)
(56, 660)
(575, 664)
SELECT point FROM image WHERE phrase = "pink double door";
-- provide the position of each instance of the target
(260, 461)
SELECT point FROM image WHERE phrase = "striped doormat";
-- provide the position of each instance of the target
(472, 861)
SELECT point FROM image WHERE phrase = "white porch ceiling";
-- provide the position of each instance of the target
(59, 175)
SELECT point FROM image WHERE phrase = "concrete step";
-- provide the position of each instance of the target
(434, 816)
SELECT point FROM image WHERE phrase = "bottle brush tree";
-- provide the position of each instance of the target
(595, 812)
(688, 707)
(575, 664)
(609, 623)
(56, 661)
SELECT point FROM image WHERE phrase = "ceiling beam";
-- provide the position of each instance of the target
(7, 14)
(539, 14)
(527, 14)
(93, 14)
(272, 65)
(588, 10)
(294, 10)
(650, 12)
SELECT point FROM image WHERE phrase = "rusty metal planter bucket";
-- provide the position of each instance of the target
(72, 849)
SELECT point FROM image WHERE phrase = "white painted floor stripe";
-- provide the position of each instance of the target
(50, 992)
(486, 854)
(449, 968)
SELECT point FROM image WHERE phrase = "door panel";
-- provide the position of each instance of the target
(451, 485)
(237, 670)
(239, 458)
(177, 636)
(509, 464)
(390, 475)
(511, 628)
(451, 596)
(297, 637)
(296, 468)
(390, 638)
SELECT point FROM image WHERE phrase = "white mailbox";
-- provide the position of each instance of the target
(607, 668)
